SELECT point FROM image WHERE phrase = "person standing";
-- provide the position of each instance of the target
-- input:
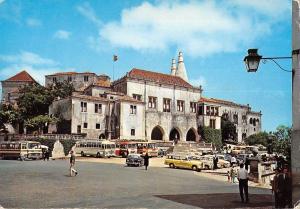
(247, 163)
(233, 161)
(72, 164)
(215, 162)
(146, 161)
(243, 182)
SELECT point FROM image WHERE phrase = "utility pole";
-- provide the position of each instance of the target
(296, 100)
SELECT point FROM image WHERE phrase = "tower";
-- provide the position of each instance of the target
(181, 72)
(173, 67)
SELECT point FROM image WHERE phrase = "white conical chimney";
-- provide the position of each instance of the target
(173, 67)
(181, 72)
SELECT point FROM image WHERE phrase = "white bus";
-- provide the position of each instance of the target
(95, 148)
(21, 150)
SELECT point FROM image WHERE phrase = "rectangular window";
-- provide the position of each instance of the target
(98, 108)
(83, 107)
(69, 78)
(54, 79)
(244, 119)
(85, 125)
(166, 105)
(79, 129)
(152, 102)
(137, 97)
(201, 109)
(212, 123)
(207, 110)
(216, 111)
(180, 106)
(193, 106)
(132, 109)
(86, 78)
(132, 132)
(235, 118)
(97, 125)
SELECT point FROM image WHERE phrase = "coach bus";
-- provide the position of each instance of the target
(150, 147)
(124, 148)
(95, 148)
(21, 150)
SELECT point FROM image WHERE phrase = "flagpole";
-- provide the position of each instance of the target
(113, 78)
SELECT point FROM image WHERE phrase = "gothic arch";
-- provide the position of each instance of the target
(175, 134)
(157, 133)
(102, 136)
(191, 135)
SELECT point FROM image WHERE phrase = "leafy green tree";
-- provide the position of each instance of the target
(211, 135)
(61, 89)
(228, 130)
(39, 122)
(8, 114)
(282, 142)
(259, 138)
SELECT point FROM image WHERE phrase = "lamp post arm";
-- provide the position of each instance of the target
(275, 58)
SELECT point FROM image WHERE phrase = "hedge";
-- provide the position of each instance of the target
(211, 135)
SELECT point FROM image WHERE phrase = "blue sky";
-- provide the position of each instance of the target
(46, 36)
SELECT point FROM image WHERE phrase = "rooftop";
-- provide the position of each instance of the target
(69, 73)
(21, 77)
(158, 77)
(220, 101)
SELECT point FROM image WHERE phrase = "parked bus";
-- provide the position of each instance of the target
(95, 148)
(124, 148)
(21, 150)
(150, 147)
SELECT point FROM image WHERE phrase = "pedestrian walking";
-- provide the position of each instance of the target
(228, 176)
(146, 161)
(215, 162)
(72, 164)
(242, 176)
(247, 163)
(47, 154)
(232, 175)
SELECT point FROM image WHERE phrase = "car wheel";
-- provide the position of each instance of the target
(82, 154)
(171, 165)
(194, 168)
(98, 155)
(206, 167)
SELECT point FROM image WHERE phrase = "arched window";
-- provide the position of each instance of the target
(157, 133)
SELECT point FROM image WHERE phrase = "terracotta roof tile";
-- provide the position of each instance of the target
(102, 83)
(158, 77)
(69, 73)
(22, 76)
(220, 101)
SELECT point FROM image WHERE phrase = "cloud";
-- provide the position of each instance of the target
(34, 64)
(198, 28)
(32, 22)
(1, 1)
(27, 58)
(62, 34)
(87, 11)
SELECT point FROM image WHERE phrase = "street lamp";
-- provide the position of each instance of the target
(253, 58)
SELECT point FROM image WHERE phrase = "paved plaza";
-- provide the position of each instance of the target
(39, 184)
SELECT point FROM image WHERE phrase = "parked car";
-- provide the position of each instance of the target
(179, 161)
(207, 161)
(134, 160)
(223, 162)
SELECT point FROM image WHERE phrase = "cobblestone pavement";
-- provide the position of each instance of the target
(39, 184)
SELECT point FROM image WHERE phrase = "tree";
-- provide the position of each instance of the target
(39, 122)
(211, 135)
(8, 114)
(228, 130)
(259, 138)
(61, 89)
(282, 142)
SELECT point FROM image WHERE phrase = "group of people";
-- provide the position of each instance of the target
(282, 187)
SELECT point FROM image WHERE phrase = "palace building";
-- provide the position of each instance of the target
(146, 105)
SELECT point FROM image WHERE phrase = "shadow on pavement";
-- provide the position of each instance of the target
(226, 200)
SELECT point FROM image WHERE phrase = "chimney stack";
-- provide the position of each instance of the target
(173, 67)
(181, 71)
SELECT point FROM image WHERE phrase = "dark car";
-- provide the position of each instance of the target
(134, 160)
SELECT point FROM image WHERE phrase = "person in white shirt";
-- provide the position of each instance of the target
(233, 161)
(243, 182)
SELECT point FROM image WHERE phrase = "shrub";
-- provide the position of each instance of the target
(211, 135)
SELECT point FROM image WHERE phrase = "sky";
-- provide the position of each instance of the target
(49, 36)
